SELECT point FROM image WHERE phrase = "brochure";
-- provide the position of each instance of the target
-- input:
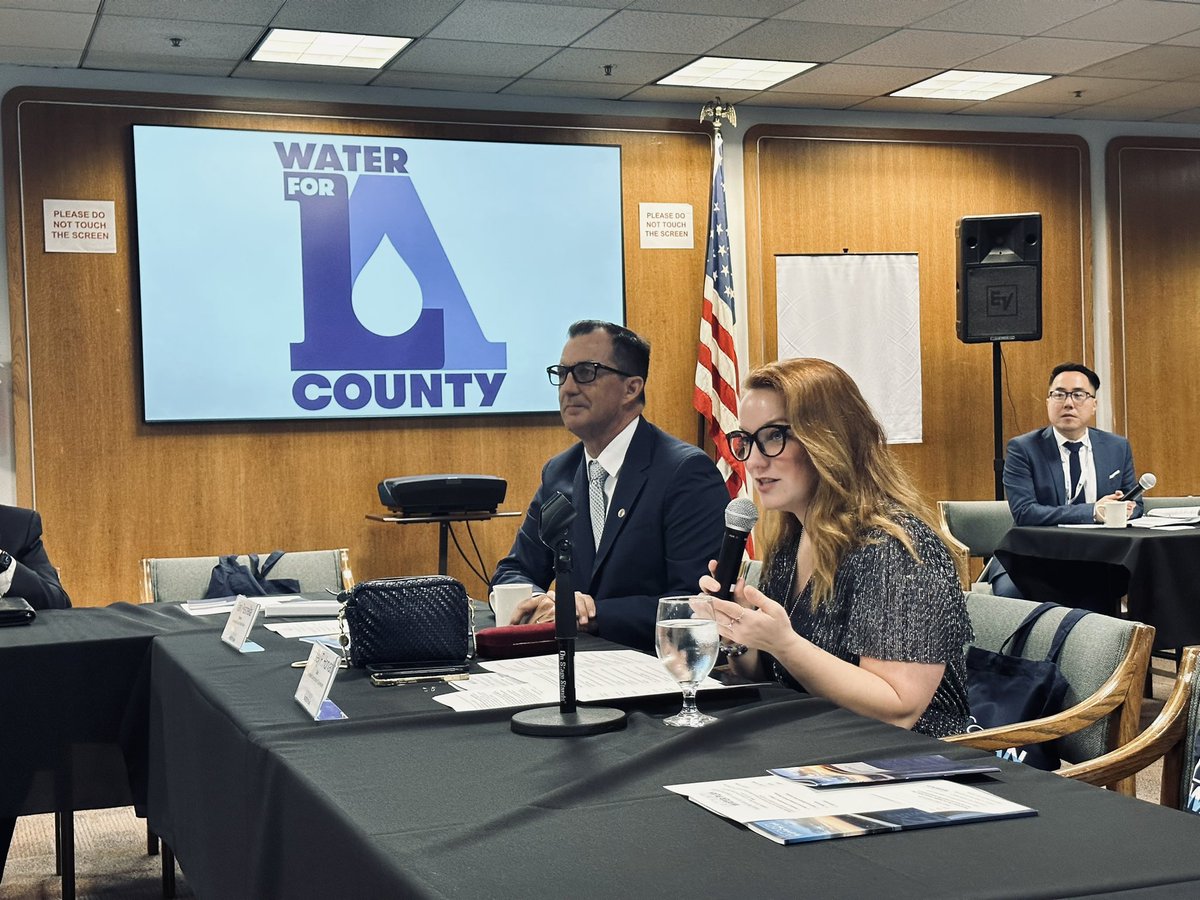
(788, 812)
(912, 768)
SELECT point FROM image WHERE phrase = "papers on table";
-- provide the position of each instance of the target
(533, 680)
(1177, 512)
(788, 812)
(1158, 520)
(317, 628)
(279, 605)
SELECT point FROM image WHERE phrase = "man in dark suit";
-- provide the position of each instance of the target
(657, 503)
(1063, 473)
(25, 571)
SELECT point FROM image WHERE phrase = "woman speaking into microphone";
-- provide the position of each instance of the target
(860, 601)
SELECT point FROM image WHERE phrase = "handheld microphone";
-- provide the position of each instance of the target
(740, 516)
(1144, 484)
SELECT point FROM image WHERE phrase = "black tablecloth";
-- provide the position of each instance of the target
(407, 798)
(74, 687)
(1093, 568)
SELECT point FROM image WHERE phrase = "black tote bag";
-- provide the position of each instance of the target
(230, 578)
(1004, 687)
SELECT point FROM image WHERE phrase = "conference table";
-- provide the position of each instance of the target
(1093, 568)
(406, 798)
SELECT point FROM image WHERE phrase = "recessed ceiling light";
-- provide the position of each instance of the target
(328, 48)
(958, 84)
(746, 74)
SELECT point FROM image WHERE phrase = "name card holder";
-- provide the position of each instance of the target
(237, 628)
(313, 691)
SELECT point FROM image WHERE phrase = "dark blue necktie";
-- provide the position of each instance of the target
(1075, 470)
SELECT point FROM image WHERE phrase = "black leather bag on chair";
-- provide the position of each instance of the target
(231, 578)
(1005, 687)
(426, 618)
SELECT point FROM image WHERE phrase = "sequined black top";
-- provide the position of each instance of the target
(886, 605)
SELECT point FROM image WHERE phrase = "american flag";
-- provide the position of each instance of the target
(717, 380)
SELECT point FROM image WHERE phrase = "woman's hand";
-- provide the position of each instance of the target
(753, 620)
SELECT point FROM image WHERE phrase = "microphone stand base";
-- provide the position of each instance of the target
(550, 721)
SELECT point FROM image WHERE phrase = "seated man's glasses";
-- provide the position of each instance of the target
(771, 439)
(582, 372)
(1060, 396)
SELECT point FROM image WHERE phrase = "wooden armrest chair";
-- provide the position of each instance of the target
(186, 577)
(1171, 737)
(974, 528)
(1104, 660)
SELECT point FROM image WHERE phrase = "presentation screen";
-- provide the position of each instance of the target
(303, 276)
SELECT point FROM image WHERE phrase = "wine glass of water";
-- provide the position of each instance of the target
(686, 639)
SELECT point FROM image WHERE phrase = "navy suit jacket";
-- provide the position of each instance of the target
(34, 578)
(1034, 483)
(665, 522)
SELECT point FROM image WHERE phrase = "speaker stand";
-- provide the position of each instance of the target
(997, 421)
(549, 721)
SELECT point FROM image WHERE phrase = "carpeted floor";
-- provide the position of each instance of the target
(111, 861)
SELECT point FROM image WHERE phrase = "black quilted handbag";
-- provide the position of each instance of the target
(426, 618)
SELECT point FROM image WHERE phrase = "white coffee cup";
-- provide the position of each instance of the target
(1113, 513)
(505, 597)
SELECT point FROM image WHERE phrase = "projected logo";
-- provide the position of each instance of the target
(443, 358)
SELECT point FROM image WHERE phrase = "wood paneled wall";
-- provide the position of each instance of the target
(113, 490)
(820, 190)
(1153, 187)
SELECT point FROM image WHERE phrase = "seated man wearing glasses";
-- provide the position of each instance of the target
(649, 508)
(1062, 473)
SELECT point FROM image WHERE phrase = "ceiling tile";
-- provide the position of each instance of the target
(362, 16)
(1005, 108)
(585, 66)
(598, 90)
(1175, 97)
(835, 78)
(662, 93)
(1189, 117)
(125, 34)
(270, 71)
(663, 32)
(806, 101)
(1025, 17)
(914, 105)
(757, 8)
(1048, 56)
(1064, 88)
(804, 41)
(933, 48)
(470, 57)
(1191, 39)
(1116, 114)
(1158, 63)
(433, 81)
(43, 29)
(896, 13)
(76, 6)
(518, 23)
(1144, 21)
(56, 58)
(159, 62)
(244, 12)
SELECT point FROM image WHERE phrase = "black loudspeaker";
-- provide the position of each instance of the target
(999, 291)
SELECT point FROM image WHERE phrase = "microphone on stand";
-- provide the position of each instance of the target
(740, 517)
(1144, 484)
(555, 532)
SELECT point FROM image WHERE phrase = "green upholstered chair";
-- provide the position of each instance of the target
(1104, 659)
(975, 528)
(186, 577)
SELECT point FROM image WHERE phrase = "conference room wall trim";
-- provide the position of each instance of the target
(813, 190)
(114, 490)
(1153, 217)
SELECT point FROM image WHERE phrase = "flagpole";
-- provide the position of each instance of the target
(717, 379)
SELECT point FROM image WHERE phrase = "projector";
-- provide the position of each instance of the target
(442, 495)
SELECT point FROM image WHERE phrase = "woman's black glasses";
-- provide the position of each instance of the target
(771, 439)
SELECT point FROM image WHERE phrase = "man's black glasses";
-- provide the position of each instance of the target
(771, 439)
(582, 372)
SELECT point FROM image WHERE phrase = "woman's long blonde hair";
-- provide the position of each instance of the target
(860, 486)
